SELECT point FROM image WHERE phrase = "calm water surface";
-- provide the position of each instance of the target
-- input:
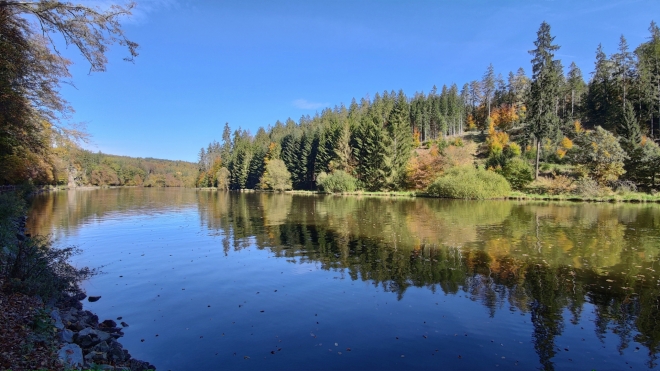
(215, 280)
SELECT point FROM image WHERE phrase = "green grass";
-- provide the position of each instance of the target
(626, 197)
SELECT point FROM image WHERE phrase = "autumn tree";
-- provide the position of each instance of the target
(32, 69)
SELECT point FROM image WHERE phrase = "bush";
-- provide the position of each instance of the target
(556, 185)
(600, 153)
(337, 182)
(276, 176)
(34, 267)
(518, 173)
(587, 187)
(468, 182)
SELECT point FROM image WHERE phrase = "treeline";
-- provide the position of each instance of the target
(84, 168)
(392, 140)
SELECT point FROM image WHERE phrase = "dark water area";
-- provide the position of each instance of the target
(243, 281)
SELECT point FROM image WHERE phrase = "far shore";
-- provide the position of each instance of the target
(631, 197)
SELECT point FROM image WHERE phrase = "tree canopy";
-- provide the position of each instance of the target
(33, 114)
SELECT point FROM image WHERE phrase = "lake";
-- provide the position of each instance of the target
(244, 281)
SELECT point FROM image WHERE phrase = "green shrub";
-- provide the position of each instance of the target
(518, 173)
(468, 182)
(276, 176)
(600, 153)
(338, 181)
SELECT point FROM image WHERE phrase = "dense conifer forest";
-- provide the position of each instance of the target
(548, 132)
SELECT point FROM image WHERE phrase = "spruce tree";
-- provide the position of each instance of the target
(600, 109)
(401, 138)
(628, 129)
(576, 85)
(371, 151)
(488, 86)
(542, 119)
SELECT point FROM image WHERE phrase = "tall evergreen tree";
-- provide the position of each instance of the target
(648, 68)
(371, 151)
(576, 85)
(543, 120)
(623, 70)
(628, 129)
(488, 86)
(401, 138)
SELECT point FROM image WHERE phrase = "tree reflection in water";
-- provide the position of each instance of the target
(544, 259)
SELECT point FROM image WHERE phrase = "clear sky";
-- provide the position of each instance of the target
(251, 63)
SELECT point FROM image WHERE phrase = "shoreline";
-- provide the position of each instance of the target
(513, 196)
(62, 335)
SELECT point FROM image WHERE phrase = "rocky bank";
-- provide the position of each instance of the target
(86, 342)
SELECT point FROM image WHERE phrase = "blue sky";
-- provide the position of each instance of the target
(250, 63)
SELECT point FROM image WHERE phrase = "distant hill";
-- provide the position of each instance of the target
(99, 169)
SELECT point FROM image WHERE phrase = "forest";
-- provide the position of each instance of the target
(551, 132)
(99, 169)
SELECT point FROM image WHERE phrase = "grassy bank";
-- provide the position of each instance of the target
(633, 197)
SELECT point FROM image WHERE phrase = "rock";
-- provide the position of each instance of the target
(116, 353)
(86, 341)
(137, 365)
(80, 296)
(108, 323)
(102, 336)
(89, 337)
(66, 336)
(76, 326)
(102, 347)
(69, 316)
(92, 299)
(55, 315)
(71, 356)
(96, 357)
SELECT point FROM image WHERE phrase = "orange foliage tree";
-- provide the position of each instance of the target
(423, 168)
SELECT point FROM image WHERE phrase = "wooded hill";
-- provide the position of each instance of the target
(604, 130)
(99, 169)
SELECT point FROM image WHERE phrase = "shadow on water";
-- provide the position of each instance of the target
(543, 259)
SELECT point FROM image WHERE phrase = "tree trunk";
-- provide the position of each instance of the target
(538, 157)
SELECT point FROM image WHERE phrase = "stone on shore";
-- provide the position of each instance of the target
(71, 356)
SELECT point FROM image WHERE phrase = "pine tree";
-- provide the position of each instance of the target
(648, 69)
(599, 102)
(401, 138)
(628, 129)
(371, 151)
(488, 86)
(225, 152)
(623, 70)
(542, 119)
(576, 85)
